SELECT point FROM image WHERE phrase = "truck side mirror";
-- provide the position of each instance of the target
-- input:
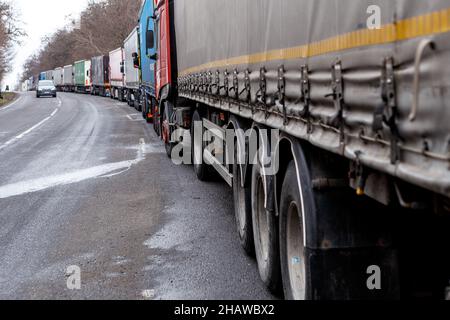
(135, 60)
(122, 69)
(150, 40)
(154, 57)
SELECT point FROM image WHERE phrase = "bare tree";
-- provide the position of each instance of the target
(102, 27)
(10, 33)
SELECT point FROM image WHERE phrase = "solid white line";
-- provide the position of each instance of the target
(11, 104)
(23, 134)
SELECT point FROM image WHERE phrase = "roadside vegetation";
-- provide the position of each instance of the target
(101, 27)
(6, 98)
(10, 33)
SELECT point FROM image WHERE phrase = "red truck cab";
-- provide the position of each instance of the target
(163, 67)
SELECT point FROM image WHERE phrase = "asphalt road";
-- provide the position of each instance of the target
(85, 182)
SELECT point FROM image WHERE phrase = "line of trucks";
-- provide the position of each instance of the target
(116, 75)
(349, 196)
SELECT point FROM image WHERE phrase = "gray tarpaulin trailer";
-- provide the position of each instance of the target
(100, 75)
(345, 66)
(357, 107)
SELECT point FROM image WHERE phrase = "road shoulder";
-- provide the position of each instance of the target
(8, 98)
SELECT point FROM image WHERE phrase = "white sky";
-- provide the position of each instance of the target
(40, 18)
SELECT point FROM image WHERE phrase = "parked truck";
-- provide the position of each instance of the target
(58, 78)
(42, 76)
(68, 79)
(147, 64)
(116, 74)
(31, 83)
(82, 77)
(352, 179)
(49, 75)
(132, 63)
(100, 76)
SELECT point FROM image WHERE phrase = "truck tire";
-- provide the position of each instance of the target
(145, 108)
(201, 169)
(292, 247)
(156, 118)
(266, 233)
(166, 130)
(242, 208)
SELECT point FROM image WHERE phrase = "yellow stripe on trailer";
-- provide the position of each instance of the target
(419, 26)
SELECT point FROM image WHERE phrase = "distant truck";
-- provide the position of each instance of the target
(82, 78)
(42, 76)
(49, 75)
(116, 74)
(31, 83)
(24, 86)
(100, 76)
(132, 77)
(68, 79)
(58, 78)
(147, 65)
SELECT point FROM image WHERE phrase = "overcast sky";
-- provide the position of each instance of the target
(40, 18)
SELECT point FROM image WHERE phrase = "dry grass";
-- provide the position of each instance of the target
(7, 98)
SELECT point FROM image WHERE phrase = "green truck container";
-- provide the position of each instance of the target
(82, 76)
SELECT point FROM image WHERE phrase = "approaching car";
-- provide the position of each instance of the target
(46, 88)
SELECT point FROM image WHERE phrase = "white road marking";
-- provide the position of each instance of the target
(101, 171)
(23, 134)
(11, 104)
(35, 185)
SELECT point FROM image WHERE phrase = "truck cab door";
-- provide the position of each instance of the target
(163, 48)
(151, 41)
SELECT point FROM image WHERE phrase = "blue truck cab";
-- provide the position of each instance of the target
(147, 65)
(42, 76)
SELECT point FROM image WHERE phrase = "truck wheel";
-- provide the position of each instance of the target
(145, 108)
(156, 118)
(166, 130)
(293, 263)
(265, 230)
(242, 208)
(201, 169)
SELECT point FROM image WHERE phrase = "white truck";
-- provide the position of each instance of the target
(116, 74)
(58, 75)
(68, 78)
(131, 61)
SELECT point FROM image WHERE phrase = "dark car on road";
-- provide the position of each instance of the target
(46, 88)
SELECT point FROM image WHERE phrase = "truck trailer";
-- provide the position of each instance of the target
(132, 76)
(58, 75)
(82, 77)
(68, 79)
(100, 76)
(338, 155)
(147, 64)
(49, 75)
(116, 74)
(31, 83)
